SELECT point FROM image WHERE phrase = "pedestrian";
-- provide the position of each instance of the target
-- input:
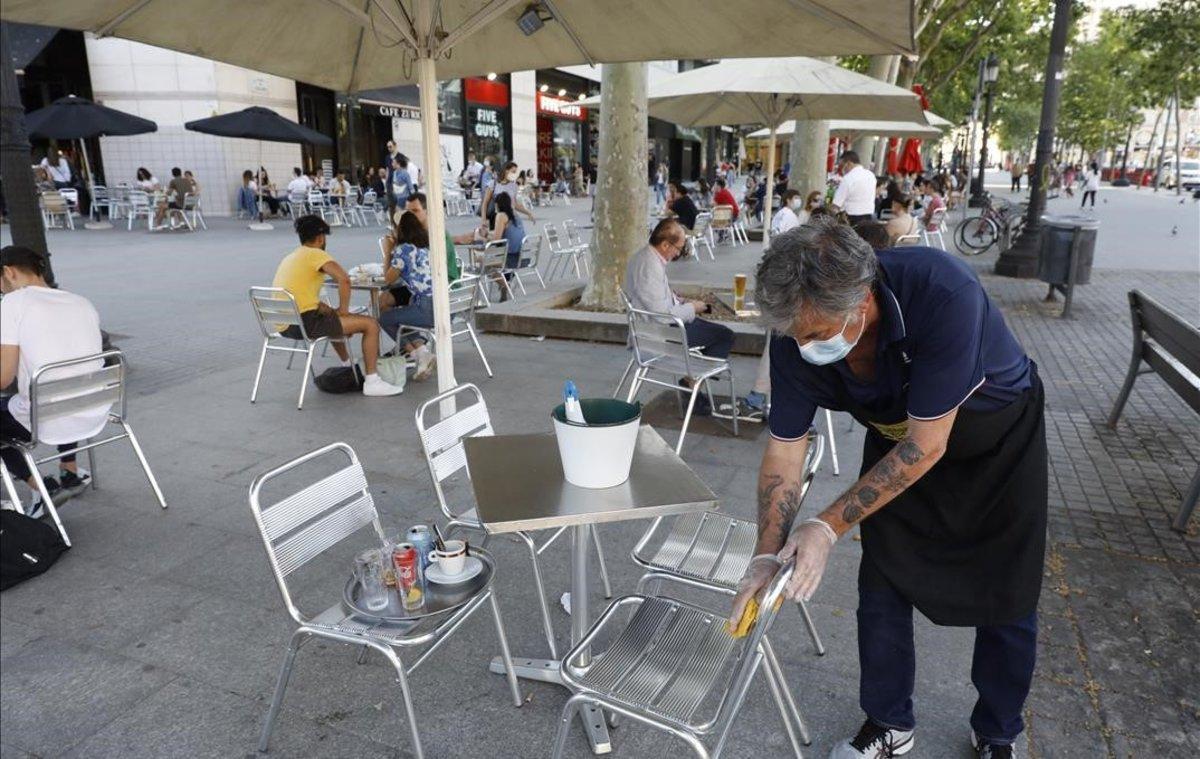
(1017, 172)
(1091, 183)
(1068, 180)
(953, 524)
(855, 194)
(660, 183)
(401, 183)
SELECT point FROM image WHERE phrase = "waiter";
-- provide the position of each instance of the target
(951, 497)
(855, 194)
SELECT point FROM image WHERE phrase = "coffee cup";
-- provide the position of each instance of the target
(452, 558)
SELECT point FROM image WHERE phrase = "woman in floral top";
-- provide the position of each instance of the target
(413, 292)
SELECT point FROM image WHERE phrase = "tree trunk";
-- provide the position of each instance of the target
(622, 194)
(1150, 145)
(1162, 151)
(810, 152)
(880, 68)
(1125, 155)
(1178, 152)
(20, 192)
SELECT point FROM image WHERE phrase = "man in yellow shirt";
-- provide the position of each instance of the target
(302, 273)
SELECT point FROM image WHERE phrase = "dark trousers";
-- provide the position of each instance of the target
(11, 429)
(1086, 194)
(1001, 669)
(1016, 183)
(715, 340)
(857, 218)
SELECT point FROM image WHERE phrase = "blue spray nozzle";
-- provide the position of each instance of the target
(570, 391)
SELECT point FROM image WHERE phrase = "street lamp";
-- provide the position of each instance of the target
(991, 72)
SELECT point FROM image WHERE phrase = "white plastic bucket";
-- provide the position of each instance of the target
(600, 453)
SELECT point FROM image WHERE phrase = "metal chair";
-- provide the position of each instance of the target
(64, 388)
(309, 522)
(902, 240)
(576, 243)
(191, 212)
(295, 204)
(674, 667)
(100, 201)
(938, 223)
(464, 299)
(138, 205)
(319, 204)
(55, 207)
(711, 551)
(660, 345)
(491, 262)
(276, 310)
(527, 263)
(442, 442)
(722, 224)
(699, 236)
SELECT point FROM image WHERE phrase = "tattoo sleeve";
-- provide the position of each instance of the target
(778, 503)
(899, 468)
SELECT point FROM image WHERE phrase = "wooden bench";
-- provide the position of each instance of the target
(1170, 347)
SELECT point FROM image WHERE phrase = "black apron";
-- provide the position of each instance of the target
(965, 544)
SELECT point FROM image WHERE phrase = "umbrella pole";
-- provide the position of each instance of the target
(769, 198)
(261, 225)
(435, 214)
(91, 183)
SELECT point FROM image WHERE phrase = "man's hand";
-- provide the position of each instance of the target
(758, 575)
(811, 544)
(699, 306)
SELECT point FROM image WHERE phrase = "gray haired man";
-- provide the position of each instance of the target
(951, 499)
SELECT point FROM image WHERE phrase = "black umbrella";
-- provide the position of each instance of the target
(76, 118)
(262, 124)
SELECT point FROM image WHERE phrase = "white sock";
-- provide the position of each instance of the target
(372, 374)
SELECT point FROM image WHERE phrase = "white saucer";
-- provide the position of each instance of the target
(471, 567)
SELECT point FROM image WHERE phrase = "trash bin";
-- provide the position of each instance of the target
(1058, 235)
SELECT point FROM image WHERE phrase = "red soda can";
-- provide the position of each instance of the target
(408, 576)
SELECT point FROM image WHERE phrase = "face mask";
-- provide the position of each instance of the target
(796, 205)
(822, 352)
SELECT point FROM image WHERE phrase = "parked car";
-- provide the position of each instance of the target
(1189, 173)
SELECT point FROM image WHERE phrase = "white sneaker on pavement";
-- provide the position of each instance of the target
(374, 385)
(426, 363)
(874, 742)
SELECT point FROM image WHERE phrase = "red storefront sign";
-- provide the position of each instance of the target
(545, 149)
(479, 90)
(549, 105)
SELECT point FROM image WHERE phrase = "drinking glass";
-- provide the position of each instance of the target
(368, 568)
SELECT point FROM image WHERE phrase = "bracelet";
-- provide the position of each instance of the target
(833, 536)
(770, 556)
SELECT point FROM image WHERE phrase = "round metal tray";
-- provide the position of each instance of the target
(439, 598)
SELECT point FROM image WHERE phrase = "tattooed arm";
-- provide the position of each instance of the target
(779, 480)
(908, 460)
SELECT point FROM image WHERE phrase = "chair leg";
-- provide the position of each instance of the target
(812, 628)
(479, 349)
(285, 672)
(505, 656)
(307, 371)
(540, 588)
(137, 449)
(634, 385)
(409, 710)
(540, 280)
(10, 487)
(1126, 389)
(624, 376)
(601, 563)
(687, 417)
(1188, 505)
(262, 359)
(783, 700)
(733, 400)
(41, 487)
(565, 720)
(91, 454)
(833, 457)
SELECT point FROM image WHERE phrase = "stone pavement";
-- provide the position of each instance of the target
(160, 633)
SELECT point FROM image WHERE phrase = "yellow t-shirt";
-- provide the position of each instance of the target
(300, 274)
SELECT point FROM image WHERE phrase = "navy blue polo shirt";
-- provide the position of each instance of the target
(942, 344)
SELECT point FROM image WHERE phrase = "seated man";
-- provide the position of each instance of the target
(648, 289)
(176, 189)
(681, 205)
(299, 184)
(41, 325)
(723, 197)
(302, 273)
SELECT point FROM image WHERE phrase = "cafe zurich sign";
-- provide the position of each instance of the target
(553, 106)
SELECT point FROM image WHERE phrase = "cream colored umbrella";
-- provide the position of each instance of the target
(771, 91)
(351, 45)
(852, 130)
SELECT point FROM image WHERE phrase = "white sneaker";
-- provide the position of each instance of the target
(426, 363)
(874, 742)
(374, 385)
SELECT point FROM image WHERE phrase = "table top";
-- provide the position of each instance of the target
(519, 485)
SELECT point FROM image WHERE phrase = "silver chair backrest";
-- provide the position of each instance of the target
(276, 310)
(139, 199)
(656, 337)
(316, 198)
(296, 198)
(64, 388)
(572, 232)
(299, 527)
(531, 250)
(368, 198)
(190, 202)
(53, 201)
(464, 297)
(99, 192)
(493, 254)
(701, 225)
(442, 441)
(551, 236)
(912, 239)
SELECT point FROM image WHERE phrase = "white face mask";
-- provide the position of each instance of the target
(796, 204)
(822, 352)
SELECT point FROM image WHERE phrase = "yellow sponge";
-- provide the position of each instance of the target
(749, 615)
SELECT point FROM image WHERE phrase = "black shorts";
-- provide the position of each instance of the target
(401, 295)
(319, 322)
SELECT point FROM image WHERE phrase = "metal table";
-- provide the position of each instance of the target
(373, 287)
(659, 484)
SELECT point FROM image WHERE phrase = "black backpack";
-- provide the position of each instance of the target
(340, 379)
(27, 547)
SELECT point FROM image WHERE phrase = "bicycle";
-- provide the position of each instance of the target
(999, 220)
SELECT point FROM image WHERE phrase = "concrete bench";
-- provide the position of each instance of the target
(1170, 347)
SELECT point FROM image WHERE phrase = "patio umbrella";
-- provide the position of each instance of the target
(910, 157)
(264, 125)
(893, 160)
(851, 130)
(772, 91)
(76, 118)
(381, 43)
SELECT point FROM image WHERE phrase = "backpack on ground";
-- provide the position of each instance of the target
(28, 547)
(340, 379)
